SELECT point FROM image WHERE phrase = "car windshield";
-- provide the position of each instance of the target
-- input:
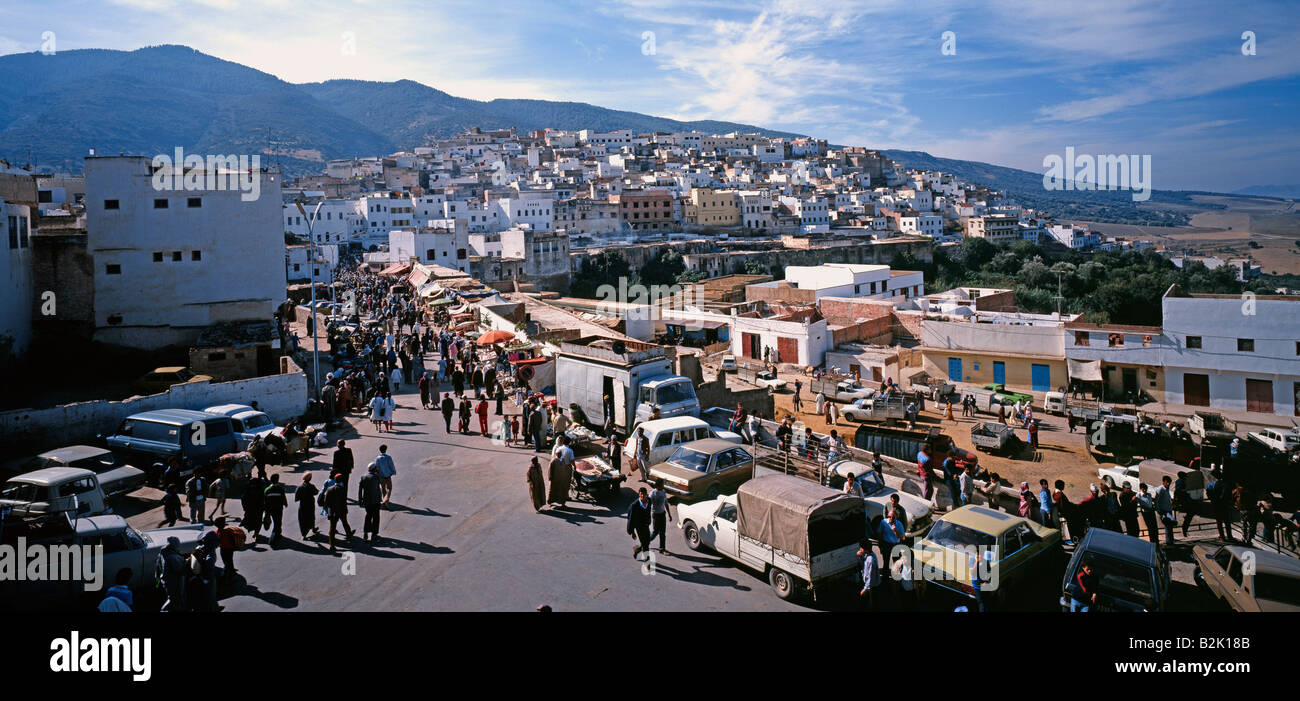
(951, 535)
(1271, 587)
(97, 463)
(871, 484)
(183, 375)
(21, 491)
(690, 459)
(674, 393)
(257, 422)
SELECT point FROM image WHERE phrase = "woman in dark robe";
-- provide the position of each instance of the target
(536, 485)
(561, 476)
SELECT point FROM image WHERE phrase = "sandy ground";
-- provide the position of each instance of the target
(1060, 454)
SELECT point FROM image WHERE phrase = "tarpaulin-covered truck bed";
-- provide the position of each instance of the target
(786, 513)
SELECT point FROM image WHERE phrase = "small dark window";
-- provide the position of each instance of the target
(45, 196)
(196, 255)
(215, 357)
(110, 204)
(1246, 345)
(160, 203)
(157, 257)
(113, 269)
(176, 256)
(194, 202)
(1193, 341)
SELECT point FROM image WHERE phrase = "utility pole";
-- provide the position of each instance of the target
(315, 331)
(1058, 296)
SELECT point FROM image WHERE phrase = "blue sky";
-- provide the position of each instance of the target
(1027, 80)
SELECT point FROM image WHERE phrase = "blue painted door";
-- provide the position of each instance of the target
(1041, 375)
(999, 372)
(954, 370)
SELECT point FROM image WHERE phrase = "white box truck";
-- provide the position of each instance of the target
(636, 377)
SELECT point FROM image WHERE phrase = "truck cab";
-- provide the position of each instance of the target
(673, 395)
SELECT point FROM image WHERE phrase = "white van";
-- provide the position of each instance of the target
(665, 435)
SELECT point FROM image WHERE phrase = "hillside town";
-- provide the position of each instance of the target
(559, 345)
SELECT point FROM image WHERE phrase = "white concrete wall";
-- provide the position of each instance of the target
(240, 275)
(16, 284)
(993, 338)
(282, 397)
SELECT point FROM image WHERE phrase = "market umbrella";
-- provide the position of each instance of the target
(494, 337)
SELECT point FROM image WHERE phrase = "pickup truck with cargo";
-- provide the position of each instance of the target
(1211, 425)
(840, 389)
(876, 409)
(637, 377)
(801, 535)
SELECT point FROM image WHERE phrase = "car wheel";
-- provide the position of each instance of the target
(783, 583)
(692, 534)
(712, 492)
(1109, 481)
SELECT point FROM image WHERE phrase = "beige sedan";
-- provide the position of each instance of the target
(705, 468)
(1249, 579)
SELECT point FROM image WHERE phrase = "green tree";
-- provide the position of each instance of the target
(604, 268)
(663, 269)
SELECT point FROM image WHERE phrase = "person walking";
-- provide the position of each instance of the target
(561, 476)
(370, 495)
(448, 408)
(643, 454)
(482, 411)
(535, 424)
(305, 495)
(1045, 504)
(220, 484)
(276, 502)
(387, 468)
(336, 506)
(174, 572)
(1216, 491)
(465, 412)
(797, 401)
(1147, 508)
(342, 462)
(171, 503)
(254, 501)
(1164, 505)
(660, 514)
(1033, 435)
(1183, 501)
(638, 523)
(870, 574)
(424, 391)
(1128, 510)
(536, 485)
(195, 492)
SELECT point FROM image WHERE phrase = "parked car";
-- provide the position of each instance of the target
(1270, 583)
(768, 379)
(1116, 476)
(705, 468)
(876, 494)
(1004, 396)
(666, 435)
(124, 548)
(115, 476)
(840, 390)
(728, 363)
(1016, 542)
(992, 436)
(1280, 441)
(197, 438)
(247, 423)
(1132, 574)
(54, 490)
(800, 534)
(161, 379)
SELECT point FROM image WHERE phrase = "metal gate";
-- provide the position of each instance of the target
(1196, 389)
(1259, 396)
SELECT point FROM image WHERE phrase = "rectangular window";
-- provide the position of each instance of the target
(1246, 345)
(194, 202)
(176, 256)
(196, 255)
(160, 203)
(112, 269)
(1193, 341)
(157, 257)
(110, 204)
(13, 232)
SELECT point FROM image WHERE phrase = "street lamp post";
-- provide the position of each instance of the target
(311, 253)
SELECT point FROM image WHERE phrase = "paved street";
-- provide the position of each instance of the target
(462, 536)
